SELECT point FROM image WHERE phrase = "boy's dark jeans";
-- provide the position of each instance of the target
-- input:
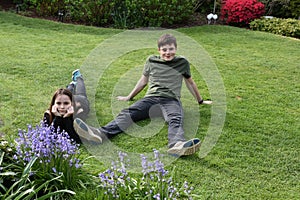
(170, 108)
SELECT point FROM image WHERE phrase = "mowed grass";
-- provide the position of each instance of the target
(257, 155)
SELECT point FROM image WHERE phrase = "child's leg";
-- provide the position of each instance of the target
(80, 87)
(173, 114)
(136, 112)
(82, 107)
(71, 87)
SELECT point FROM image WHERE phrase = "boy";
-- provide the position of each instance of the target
(164, 73)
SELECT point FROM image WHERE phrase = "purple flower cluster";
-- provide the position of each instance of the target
(115, 177)
(157, 166)
(154, 183)
(47, 145)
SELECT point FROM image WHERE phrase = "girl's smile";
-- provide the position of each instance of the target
(63, 103)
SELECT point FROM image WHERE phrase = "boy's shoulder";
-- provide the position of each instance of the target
(153, 57)
(180, 57)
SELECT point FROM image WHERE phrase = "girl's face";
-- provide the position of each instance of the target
(167, 52)
(63, 103)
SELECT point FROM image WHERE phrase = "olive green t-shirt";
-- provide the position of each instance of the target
(165, 77)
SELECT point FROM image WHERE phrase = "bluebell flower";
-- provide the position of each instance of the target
(144, 164)
(157, 196)
(153, 184)
(46, 144)
(53, 169)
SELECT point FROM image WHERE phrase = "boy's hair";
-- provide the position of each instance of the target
(166, 39)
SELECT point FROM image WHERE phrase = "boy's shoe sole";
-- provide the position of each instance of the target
(185, 148)
(86, 132)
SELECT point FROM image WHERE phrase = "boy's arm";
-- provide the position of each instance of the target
(191, 85)
(140, 85)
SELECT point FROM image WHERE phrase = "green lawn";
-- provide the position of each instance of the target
(257, 154)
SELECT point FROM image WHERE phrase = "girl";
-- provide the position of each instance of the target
(67, 104)
(60, 113)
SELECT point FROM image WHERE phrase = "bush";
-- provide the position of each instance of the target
(285, 27)
(96, 13)
(207, 6)
(168, 12)
(241, 12)
(127, 14)
(118, 13)
(295, 8)
(282, 8)
(277, 8)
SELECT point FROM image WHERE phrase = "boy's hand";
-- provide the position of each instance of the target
(55, 111)
(70, 112)
(122, 98)
(207, 102)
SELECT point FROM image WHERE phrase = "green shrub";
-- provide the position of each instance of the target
(118, 13)
(282, 8)
(295, 8)
(208, 6)
(127, 14)
(157, 13)
(96, 13)
(285, 27)
(277, 8)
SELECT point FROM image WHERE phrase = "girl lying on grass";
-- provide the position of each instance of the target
(66, 104)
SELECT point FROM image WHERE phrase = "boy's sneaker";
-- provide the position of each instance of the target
(75, 74)
(87, 132)
(185, 148)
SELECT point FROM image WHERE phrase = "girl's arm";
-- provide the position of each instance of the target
(55, 120)
(46, 118)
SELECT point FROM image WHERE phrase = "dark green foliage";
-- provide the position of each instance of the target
(157, 13)
(282, 8)
(127, 14)
(295, 8)
(118, 13)
(285, 27)
(9, 170)
(208, 6)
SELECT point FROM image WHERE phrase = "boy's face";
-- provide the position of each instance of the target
(167, 52)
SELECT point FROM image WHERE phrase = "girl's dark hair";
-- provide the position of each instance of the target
(166, 39)
(60, 91)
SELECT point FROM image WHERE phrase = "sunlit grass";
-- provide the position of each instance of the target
(257, 155)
